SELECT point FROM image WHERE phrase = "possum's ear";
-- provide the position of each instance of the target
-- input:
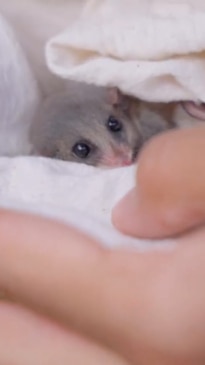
(118, 100)
(195, 110)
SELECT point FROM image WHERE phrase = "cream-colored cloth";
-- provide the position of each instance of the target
(19, 94)
(152, 49)
(76, 194)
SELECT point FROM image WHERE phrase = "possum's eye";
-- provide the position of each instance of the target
(81, 149)
(114, 125)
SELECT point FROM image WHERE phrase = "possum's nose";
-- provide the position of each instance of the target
(127, 162)
(118, 156)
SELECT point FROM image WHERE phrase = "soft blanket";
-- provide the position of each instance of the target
(79, 195)
(151, 49)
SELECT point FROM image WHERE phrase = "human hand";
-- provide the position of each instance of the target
(170, 196)
(140, 308)
(74, 302)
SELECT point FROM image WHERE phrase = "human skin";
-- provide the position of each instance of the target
(83, 304)
(170, 195)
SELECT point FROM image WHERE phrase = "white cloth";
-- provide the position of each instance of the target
(19, 94)
(77, 194)
(152, 49)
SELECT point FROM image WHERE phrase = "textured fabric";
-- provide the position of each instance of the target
(151, 49)
(19, 94)
(80, 195)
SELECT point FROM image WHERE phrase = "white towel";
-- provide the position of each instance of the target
(149, 49)
(152, 49)
(77, 194)
(19, 94)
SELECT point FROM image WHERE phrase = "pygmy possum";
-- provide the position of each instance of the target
(101, 126)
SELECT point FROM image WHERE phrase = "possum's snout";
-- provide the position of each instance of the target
(117, 156)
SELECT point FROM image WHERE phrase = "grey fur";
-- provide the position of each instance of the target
(81, 114)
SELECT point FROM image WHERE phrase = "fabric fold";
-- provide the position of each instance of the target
(154, 50)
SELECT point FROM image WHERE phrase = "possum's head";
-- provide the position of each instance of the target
(94, 128)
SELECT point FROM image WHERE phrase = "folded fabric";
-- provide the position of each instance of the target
(152, 49)
(75, 194)
(19, 94)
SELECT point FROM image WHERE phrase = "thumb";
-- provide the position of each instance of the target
(170, 195)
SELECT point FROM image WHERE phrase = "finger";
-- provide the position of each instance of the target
(170, 196)
(28, 339)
